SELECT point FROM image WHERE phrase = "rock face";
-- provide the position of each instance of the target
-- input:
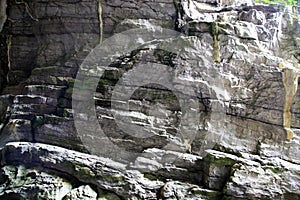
(184, 99)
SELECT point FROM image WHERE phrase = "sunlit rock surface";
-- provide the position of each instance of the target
(230, 58)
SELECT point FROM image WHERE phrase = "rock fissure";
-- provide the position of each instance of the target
(30, 6)
(8, 47)
(100, 21)
(3, 16)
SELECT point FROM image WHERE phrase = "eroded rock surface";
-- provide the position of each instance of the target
(229, 58)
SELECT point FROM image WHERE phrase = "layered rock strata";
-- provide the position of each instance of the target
(237, 61)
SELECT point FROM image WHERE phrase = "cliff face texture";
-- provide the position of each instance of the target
(183, 99)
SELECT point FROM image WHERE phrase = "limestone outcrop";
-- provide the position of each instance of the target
(163, 99)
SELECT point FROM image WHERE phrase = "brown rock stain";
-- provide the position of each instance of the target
(290, 77)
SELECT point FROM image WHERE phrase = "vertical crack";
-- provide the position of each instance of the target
(179, 14)
(3, 16)
(3, 46)
(290, 76)
(30, 6)
(8, 45)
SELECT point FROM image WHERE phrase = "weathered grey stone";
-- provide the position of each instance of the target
(159, 13)
(16, 130)
(6, 101)
(52, 91)
(269, 181)
(44, 33)
(246, 31)
(253, 16)
(48, 128)
(178, 190)
(24, 183)
(236, 2)
(83, 193)
(102, 172)
(233, 54)
(217, 171)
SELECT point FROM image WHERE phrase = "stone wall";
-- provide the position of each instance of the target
(230, 61)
